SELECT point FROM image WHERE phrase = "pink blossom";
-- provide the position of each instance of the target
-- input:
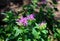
(23, 21)
(30, 17)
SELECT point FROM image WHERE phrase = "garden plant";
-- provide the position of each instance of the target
(30, 25)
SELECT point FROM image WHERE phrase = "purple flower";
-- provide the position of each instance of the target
(30, 17)
(23, 21)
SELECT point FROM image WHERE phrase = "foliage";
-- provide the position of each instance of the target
(31, 26)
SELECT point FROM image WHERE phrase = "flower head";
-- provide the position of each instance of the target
(30, 17)
(23, 21)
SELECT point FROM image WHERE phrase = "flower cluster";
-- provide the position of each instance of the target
(30, 17)
(24, 20)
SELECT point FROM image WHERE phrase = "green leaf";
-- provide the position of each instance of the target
(37, 26)
(19, 39)
(45, 32)
(58, 30)
(18, 31)
(34, 40)
(35, 33)
(49, 39)
(27, 39)
(42, 27)
(42, 39)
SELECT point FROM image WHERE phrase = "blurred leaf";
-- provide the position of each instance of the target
(58, 30)
(37, 26)
(19, 39)
(42, 39)
(45, 32)
(17, 31)
(54, 1)
(27, 40)
(43, 26)
(35, 33)
(34, 3)
(49, 39)
(34, 40)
